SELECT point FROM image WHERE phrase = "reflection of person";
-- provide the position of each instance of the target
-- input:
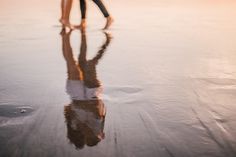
(66, 8)
(85, 115)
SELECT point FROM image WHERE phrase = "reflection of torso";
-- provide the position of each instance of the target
(87, 106)
(78, 91)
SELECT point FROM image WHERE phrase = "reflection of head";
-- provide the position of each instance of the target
(75, 136)
(85, 122)
(92, 140)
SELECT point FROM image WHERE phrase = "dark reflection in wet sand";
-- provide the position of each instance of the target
(85, 115)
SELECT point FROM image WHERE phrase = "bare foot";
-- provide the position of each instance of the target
(110, 20)
(66, 23)
(81, 26)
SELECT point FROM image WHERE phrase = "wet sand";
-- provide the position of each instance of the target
(167, 79)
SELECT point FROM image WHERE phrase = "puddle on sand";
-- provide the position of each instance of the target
(13, 111)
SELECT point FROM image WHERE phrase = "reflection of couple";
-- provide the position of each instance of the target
(66, 8)
(85, 115)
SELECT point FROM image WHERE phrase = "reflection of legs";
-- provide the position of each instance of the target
(83, 51)
(88, 67)
(72, 69)
(102, 49)
(65, 12)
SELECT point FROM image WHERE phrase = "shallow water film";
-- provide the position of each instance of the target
(160, 82)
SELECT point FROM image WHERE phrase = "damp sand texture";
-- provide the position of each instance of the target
(164, 84)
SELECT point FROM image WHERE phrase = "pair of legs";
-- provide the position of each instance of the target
(66, 8)
(83, 9)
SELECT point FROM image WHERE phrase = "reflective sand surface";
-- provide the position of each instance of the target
(164, 86)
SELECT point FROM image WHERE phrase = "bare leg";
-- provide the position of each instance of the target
(65, 9)
(62, 9)
(83, 50)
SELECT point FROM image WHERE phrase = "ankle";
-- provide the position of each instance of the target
(109, 18)
(83, 22)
